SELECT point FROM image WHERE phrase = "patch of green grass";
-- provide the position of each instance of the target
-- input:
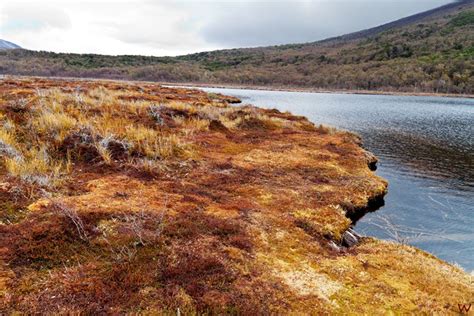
(467, 52)
(214, 65)
(463, 18)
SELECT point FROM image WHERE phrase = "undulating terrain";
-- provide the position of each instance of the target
(428, 52)
(134, 198)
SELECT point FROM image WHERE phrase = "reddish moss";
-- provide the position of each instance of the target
(239, 222)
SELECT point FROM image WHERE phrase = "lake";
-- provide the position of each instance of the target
(425, 147)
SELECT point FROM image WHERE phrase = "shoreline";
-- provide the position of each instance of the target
(317, 90)
(247, 205)
(259, 88)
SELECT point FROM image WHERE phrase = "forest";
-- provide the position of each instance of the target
(433, 53)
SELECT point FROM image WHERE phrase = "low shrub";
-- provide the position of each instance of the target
(37, 167)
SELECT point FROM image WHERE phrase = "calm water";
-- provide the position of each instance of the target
(425, 147)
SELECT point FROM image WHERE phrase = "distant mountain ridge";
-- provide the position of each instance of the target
(431, 52)
(401, 22)
(8, 45)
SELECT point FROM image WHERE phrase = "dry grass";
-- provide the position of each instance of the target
(51, 125)
(55, 125)
(36, 167)
(8, 144)
(161, 198)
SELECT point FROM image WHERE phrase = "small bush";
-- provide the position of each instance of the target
(71, 215)
(155, 113)
(104, 153)
(37, 167)
(8, 145)
(323, 129)
(19, 105)
(81, 145)
(256, 123)
(117, 148)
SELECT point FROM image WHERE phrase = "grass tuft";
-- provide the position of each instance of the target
(54, 125)
(37, 167)
(8, 145)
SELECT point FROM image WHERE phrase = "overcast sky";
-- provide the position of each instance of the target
(152, 27)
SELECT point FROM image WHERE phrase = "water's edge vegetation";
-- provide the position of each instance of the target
(132, 197)
(425, 151)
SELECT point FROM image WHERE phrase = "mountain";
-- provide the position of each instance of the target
(7, 45)
(457, 5)
(432, 51)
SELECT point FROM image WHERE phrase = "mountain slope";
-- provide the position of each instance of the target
(404, 21)
(428, 52)
(7, 45)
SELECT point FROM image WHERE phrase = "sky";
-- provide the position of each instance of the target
(169, 28)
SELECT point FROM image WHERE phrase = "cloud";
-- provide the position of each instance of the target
(263, 23)
(33, 17)
(164, 27)
(157, 25)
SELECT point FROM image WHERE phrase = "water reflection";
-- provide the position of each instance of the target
(424, 158)
(426, 151)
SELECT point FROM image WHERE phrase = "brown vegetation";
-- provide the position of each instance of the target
(136, 198)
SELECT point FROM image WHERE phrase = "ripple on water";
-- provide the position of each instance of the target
(426, 151)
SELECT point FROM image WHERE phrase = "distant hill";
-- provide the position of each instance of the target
(458, 5)
(431, 51)
(7, 45)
